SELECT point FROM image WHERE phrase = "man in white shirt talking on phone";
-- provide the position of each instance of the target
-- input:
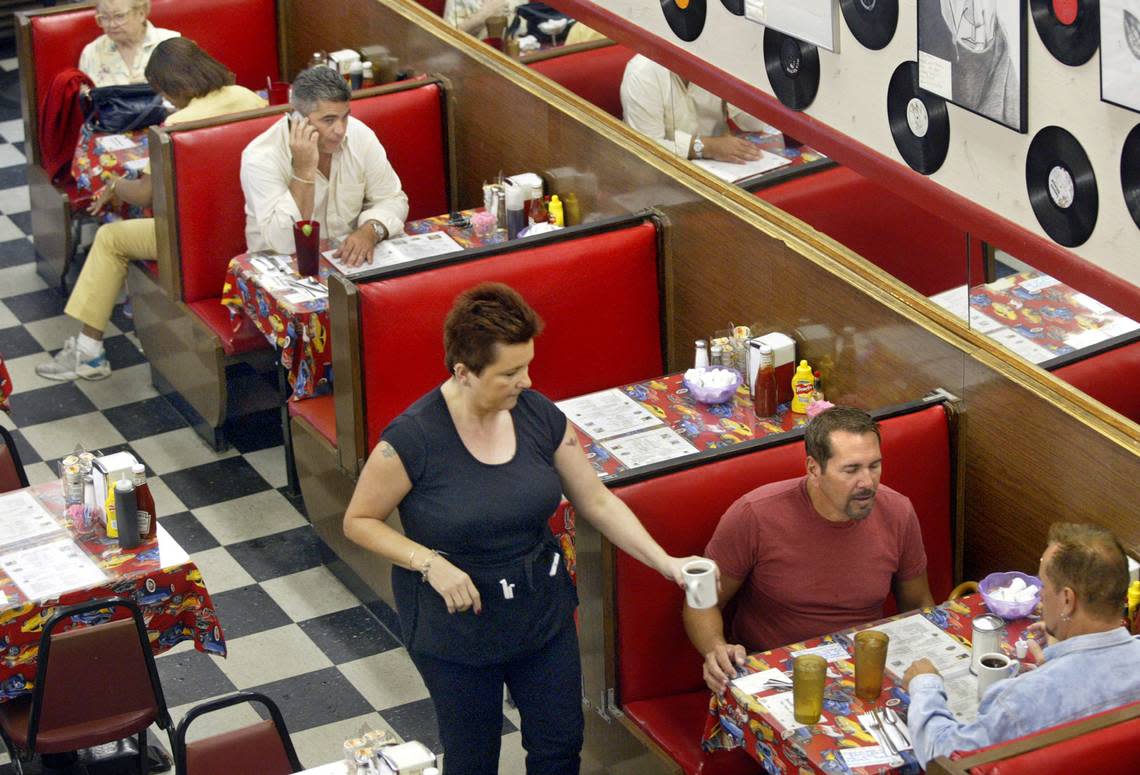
(319, 163)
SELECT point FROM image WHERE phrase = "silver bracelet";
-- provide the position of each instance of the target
(306, 182)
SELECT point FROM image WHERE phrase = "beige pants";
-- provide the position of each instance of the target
(105, 270)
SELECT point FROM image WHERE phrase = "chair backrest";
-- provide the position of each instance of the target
(598, 295)
(12, 474)
(1105, 744)
(681, 510)
(924, 251)
(263, 747)
(592, 70)
(51, 41)
(202, 218)
(71, 704)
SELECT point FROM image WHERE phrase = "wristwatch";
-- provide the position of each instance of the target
(380, 230)
(698, 147)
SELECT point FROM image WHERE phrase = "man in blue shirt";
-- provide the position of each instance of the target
(1090, 662)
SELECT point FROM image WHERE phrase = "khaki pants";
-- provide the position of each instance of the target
(105, 270)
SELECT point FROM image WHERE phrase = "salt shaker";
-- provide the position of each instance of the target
(986, 638)
(701, 359)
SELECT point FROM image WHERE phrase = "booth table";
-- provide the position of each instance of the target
(739, 718)
(672, 424)
(158, 575)
(1036, 315)
(296, 322)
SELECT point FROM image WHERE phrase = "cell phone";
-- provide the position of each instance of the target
(296, 117)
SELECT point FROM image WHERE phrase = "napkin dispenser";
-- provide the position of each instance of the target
(410, 758)
(108, 469)
(783, 361)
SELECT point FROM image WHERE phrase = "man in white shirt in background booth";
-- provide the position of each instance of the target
(319, 163)
(684, 118)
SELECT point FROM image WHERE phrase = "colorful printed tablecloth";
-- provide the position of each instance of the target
(799, 155)
(5, 386)
(158, 575)
(1035, 315)
(297, 324)
(739, 718)
(93, 164)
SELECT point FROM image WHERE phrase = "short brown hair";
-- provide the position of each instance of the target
(482, 317)
(817, 437)
(1089, 560)
(180, 69)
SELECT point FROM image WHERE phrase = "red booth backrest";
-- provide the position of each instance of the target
(594, 74)
(435, 6)
(211, 217)
(681, 510)
(597, 294)
(1110, 750)
(241, 34)
(1111, 377)
(924, 251)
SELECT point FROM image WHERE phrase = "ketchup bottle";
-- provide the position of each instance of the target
(148, 520)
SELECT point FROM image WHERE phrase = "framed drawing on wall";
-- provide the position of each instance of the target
(973, 53)
(1120, 53)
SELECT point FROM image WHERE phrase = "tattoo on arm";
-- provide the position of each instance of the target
(387, 450)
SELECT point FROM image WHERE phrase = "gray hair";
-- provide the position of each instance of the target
(316, 84)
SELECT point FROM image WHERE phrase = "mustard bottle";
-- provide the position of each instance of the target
(556, 216)
(803, 386)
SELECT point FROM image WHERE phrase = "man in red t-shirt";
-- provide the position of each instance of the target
(812, 555)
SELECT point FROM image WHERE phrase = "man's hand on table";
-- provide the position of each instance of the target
(357, 247)
(918, 667)
(720, 665)
(736, 150)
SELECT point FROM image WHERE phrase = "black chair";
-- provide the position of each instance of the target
(12, 474)
(263, 748)
(94, 685)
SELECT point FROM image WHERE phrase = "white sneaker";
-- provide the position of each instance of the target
(69, 365)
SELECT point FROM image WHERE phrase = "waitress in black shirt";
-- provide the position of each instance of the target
(477, 467)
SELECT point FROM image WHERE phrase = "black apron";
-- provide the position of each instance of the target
(527, 600)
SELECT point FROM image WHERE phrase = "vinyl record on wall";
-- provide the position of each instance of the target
(735, 6)
(1070, 29)
(793, 68)
(686, 17)
(872, 22)
(920, 122)
(1062, 186)
(1130, 173)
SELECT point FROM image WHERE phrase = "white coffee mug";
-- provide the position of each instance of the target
(994, 667)
(700, 583)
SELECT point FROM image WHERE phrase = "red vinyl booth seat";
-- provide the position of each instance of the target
(594, 74)
(598, 295)
(410, 126)
(1111, 377)
(681, 509)
(920, 249)
(245, 42)
(1110, 750)
(319, 412)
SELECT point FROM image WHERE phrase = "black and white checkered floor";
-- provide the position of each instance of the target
(293, 630)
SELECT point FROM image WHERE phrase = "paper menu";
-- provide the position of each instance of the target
(608, 413)
(754, 683)
(647, 447)
(915, 637)
(832, 652)
(397, 250)
(24, 519)
(781, 707)
(116, 143)
(48, 570)
(735, 172)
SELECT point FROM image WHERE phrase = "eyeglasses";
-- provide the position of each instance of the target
(112, 20)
